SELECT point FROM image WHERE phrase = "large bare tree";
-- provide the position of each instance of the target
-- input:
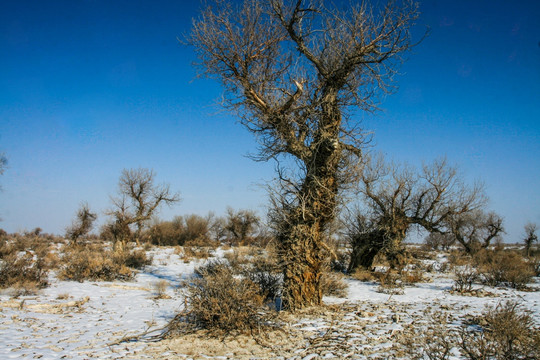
(399, 198)
(294, 72)
(138, 199)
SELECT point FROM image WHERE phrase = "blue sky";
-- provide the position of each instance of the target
(90, 87)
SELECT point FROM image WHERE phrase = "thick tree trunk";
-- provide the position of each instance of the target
(302, 259)
(301, 241)
(366, 247)
(364, 250)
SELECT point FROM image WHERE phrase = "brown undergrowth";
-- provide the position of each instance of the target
(25, 261)
(100, 262)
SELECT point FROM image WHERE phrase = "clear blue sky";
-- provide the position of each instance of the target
(90, 87)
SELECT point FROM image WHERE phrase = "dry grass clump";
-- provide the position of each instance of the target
(189, 253)
(160, 288)
(413, 276)
(97, 262)
(363, 274)
(222, 303)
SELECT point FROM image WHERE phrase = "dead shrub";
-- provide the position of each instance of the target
(435, 342)
(23, 271)
(193, 252)
(96, 262)
(413, 276)
(459, 258)
(504, 268)
(506, 331)
(237, 258)
(214, 267)
(266, 273)
(466, 276)
(24, 262)
(332, 284)
(222, 303)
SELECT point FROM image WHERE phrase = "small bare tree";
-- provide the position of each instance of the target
(294, 71)
(475, 230)
(530, 237)
(138, 200)
(241, 226)
(82, 225)
(398, 198)
(218, 228)
(3, 164)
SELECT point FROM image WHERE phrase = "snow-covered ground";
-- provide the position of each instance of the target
(72, 320)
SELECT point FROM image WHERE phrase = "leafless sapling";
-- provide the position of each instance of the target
(82, 225)
(139, 197)
(530, 237)
(241, 226)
